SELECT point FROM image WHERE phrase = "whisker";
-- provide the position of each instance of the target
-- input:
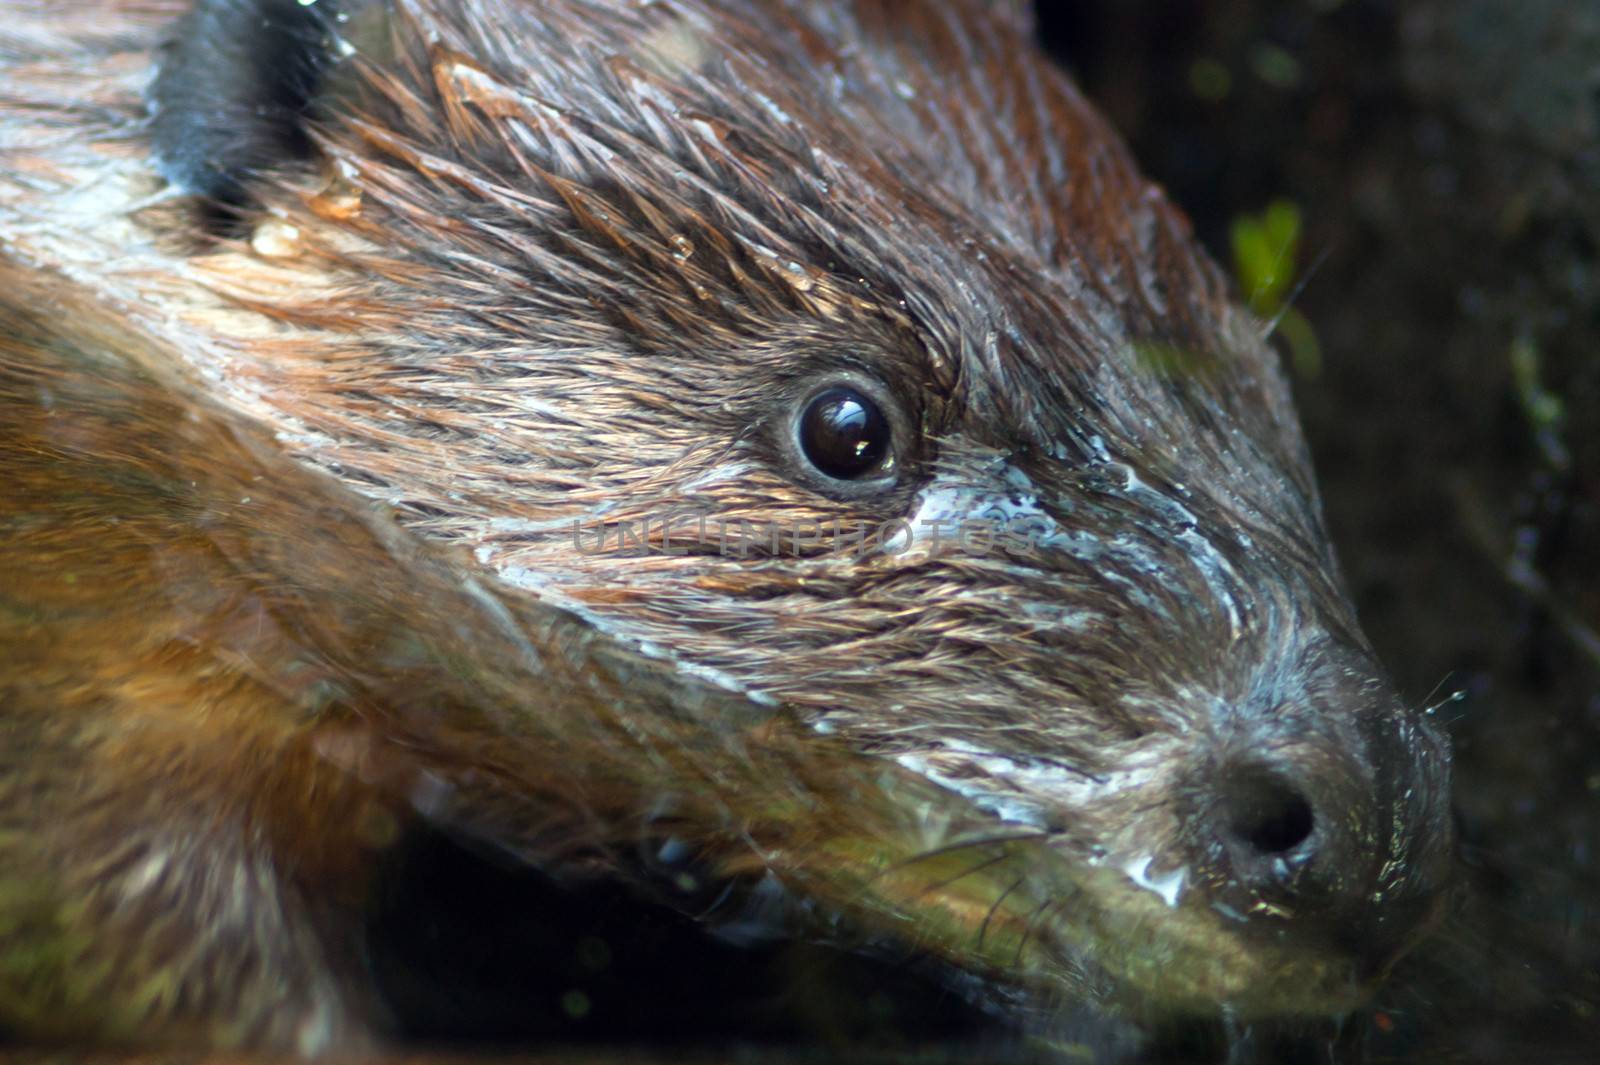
(957, 847)
(1457, 696)
(1295, 293)
(1035, 920)
(983, 929)
(980, 867)
(1435, 689)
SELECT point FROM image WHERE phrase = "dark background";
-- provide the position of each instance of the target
(1445, 157)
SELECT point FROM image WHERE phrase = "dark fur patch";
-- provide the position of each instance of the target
(235, 90)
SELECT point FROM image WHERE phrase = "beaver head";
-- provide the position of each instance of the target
(836, 352)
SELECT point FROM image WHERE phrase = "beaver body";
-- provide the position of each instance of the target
(338, 337)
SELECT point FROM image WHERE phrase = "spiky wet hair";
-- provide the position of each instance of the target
(601, 250)
(508, 266)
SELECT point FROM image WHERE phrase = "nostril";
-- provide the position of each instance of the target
(1266, 814)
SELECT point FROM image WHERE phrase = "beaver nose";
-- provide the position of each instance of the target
(1266, 824)
(1342, 846)
(1300, 835)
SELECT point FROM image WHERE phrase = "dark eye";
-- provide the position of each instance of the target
(845, 435)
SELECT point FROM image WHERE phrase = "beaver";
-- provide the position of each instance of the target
(705, 449)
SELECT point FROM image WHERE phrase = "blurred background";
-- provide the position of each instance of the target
(1415, 188)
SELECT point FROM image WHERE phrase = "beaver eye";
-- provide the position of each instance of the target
(845, 435)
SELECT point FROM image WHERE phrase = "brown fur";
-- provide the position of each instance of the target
(568, 261)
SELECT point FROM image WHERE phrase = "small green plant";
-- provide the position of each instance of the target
(1266, 254)
(1544, 409)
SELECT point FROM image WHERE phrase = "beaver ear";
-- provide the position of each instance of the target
(235, 90)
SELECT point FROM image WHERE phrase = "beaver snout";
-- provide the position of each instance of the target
(1340, 844)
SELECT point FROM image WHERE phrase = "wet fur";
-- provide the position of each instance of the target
(516, 265)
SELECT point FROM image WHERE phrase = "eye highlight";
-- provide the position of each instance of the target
(844, 434)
